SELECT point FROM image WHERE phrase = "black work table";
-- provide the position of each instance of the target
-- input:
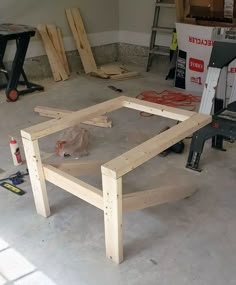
(21, 34)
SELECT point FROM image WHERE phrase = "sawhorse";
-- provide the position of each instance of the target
(21, 34)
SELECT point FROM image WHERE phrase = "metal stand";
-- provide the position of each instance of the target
(223, 126)
(157, 49)
(21, 34)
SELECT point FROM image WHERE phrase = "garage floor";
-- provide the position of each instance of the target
(187, 242)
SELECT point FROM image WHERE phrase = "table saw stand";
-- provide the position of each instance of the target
(223, 125)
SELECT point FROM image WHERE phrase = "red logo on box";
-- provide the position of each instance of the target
(196, 65)
(232, 70)
(203, 42)
(197, 80)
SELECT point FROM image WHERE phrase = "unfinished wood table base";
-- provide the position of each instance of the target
(110, 199)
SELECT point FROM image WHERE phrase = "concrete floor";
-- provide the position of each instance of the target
(187, 242)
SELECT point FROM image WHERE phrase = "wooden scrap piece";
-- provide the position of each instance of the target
(117, 72)
(55, 61)
(111, 69)
(77, 27)
(150, 198)
(101, 121)
(126, 75)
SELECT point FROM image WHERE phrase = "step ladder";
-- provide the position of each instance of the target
(155, 49)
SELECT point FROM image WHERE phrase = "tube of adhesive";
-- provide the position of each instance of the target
(15, 152)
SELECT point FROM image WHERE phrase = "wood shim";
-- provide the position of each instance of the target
(117, 72)
(101, 121)
(55, 51)
(77, 27)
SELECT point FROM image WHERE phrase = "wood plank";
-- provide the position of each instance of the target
(49, 50)
(80, 168)
(52, 32)
(53, 57)
(62, 51)
(73, 185)
(150, 198)
(82, 43)
(37, 178)
(101, 121)
(149, 149)
(53, 126)
(56, 38)
(157, 109)
(112, 193)
(126, 75)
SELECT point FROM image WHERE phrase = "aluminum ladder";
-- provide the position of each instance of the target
(155, 49)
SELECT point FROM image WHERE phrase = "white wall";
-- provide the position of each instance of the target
(100, 17)
(106, 21)
(136, 20)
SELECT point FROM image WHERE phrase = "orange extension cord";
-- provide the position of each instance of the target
(170, 98)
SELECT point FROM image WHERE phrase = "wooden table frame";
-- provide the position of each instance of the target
(110, 199)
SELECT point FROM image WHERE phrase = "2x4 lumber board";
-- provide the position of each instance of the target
(37, 178)
(62, 51)
(150, 198)
(149, 149)
(73, 185)
(82, 43)
(56, 38)
(113, 212)
(79, 168)
(50, 51)
(52, 32)
(53, 57)
(157, 109)
(101, 121)
(53, 126)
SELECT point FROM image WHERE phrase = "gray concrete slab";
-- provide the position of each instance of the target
(187, 242)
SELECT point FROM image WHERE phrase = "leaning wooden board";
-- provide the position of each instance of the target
(82, 43)
(55, 61)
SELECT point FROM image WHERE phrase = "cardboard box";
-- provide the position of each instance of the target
(195, 46)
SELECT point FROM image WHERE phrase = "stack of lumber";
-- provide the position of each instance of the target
(53, 43)
(82, 43)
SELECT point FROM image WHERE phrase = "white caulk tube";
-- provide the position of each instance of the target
(15, 152)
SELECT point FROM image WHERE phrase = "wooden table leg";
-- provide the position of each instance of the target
(112, 195)
(34, 163)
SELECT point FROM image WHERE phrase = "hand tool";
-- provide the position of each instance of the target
(16, 178)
